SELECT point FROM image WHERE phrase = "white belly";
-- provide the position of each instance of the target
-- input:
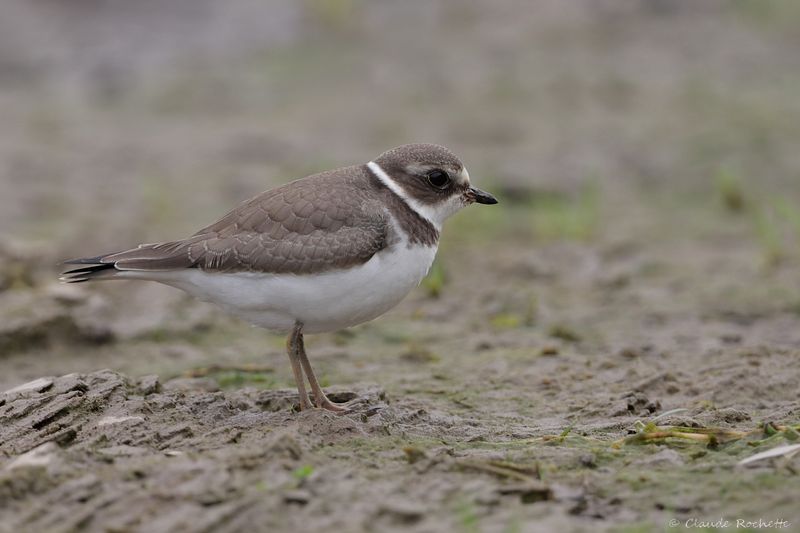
(322, 302)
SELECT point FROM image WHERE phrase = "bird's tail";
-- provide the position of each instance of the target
(87, 269)
(135, 263)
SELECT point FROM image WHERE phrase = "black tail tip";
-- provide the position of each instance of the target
(84, 273)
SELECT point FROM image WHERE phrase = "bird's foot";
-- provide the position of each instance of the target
(325, 403)
(321, 403)
(304, 403)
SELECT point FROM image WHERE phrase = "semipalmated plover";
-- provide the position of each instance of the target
(322, 253)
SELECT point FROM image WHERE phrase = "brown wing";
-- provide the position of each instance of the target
(322, 222)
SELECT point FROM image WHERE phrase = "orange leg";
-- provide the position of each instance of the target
(319, 395)
(293, 351)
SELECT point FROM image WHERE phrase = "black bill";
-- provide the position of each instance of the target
(482, 197)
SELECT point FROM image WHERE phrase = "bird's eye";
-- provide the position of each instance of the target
(438, 178)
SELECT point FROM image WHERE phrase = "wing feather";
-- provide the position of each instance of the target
(322, 222)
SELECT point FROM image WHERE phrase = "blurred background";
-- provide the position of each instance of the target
(626, 139)
(644, 259)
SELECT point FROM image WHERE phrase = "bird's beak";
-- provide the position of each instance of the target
(481, 197)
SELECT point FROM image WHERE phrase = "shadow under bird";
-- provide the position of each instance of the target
(322, 253)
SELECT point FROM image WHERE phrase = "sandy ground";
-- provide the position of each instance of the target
(642, 267)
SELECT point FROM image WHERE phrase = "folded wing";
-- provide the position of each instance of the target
(312, 225)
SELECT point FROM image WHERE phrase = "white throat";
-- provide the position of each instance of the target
(435, 214)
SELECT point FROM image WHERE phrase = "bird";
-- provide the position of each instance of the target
(318, 254)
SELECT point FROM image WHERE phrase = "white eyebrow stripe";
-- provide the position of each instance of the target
(465, 175)
(424, 211)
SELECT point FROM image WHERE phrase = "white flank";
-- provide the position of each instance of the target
(322, 302)
(435, 214)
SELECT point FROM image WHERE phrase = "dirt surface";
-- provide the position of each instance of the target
(641, 270)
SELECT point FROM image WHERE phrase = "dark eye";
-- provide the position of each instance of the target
(438, 178)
